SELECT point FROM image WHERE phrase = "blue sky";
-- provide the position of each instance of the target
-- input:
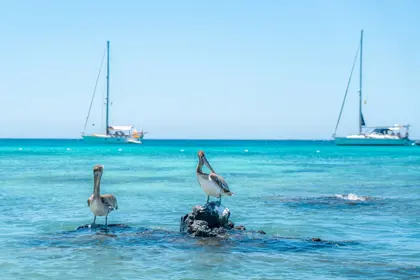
(208, 69)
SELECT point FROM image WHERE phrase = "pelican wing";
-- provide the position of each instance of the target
(110, 201)
(89, 201)
(220, 182)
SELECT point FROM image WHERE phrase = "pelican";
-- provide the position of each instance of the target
(212, 184)
(100, 205)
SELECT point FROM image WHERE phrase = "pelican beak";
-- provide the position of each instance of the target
(208, 164)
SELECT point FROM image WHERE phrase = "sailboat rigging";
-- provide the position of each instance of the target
(113, 133)
(379, 135)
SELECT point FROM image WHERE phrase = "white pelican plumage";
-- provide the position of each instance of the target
(212, 184)
(100, 205)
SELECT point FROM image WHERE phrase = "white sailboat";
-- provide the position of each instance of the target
(114, 134)
(390, 135)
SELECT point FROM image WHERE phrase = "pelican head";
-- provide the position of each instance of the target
(203, 160)
(98, 170)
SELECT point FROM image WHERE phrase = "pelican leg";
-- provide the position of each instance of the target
(106, 220)
(220, 200)
(208, 198)
(94, 220)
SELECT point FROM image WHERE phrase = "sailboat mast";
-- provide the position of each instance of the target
(107, 89)
(360, 82)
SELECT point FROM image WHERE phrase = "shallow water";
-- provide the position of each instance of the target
(362, 202)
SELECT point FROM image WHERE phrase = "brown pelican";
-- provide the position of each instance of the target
(212, 184)
(100, 205)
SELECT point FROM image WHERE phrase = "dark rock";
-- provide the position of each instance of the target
(230, 225)
(201, 228)
(241, 227)
(99, 226)
(316, 239)
(210, 220)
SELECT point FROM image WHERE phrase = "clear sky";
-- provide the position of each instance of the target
(208, 69)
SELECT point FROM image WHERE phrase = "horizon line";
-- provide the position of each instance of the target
(192, 139)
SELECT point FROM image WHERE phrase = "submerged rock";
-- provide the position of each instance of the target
(210, 220)
(99, 226)
(240, 227)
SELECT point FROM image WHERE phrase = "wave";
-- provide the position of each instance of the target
(337, 200)
(353, 197)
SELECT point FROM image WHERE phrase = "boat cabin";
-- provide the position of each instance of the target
(401, 131)
(125, 131)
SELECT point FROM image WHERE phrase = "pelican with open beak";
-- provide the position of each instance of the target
(100, 205)
(212, 184)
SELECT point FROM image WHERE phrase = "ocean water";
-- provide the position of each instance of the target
(362, 202)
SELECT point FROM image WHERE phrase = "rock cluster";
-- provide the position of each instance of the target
(210, 220)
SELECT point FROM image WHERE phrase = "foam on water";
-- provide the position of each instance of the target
(352, 196)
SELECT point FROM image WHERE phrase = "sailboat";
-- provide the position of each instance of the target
(114, 134)
(391, 135)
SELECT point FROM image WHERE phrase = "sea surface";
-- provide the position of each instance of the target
(362, 202)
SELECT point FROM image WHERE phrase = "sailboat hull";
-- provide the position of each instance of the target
(364, 141)
(107, 139)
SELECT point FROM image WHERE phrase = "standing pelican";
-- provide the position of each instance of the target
(100, 205)
(212, 184)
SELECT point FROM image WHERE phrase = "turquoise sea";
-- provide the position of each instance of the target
(362, 202)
